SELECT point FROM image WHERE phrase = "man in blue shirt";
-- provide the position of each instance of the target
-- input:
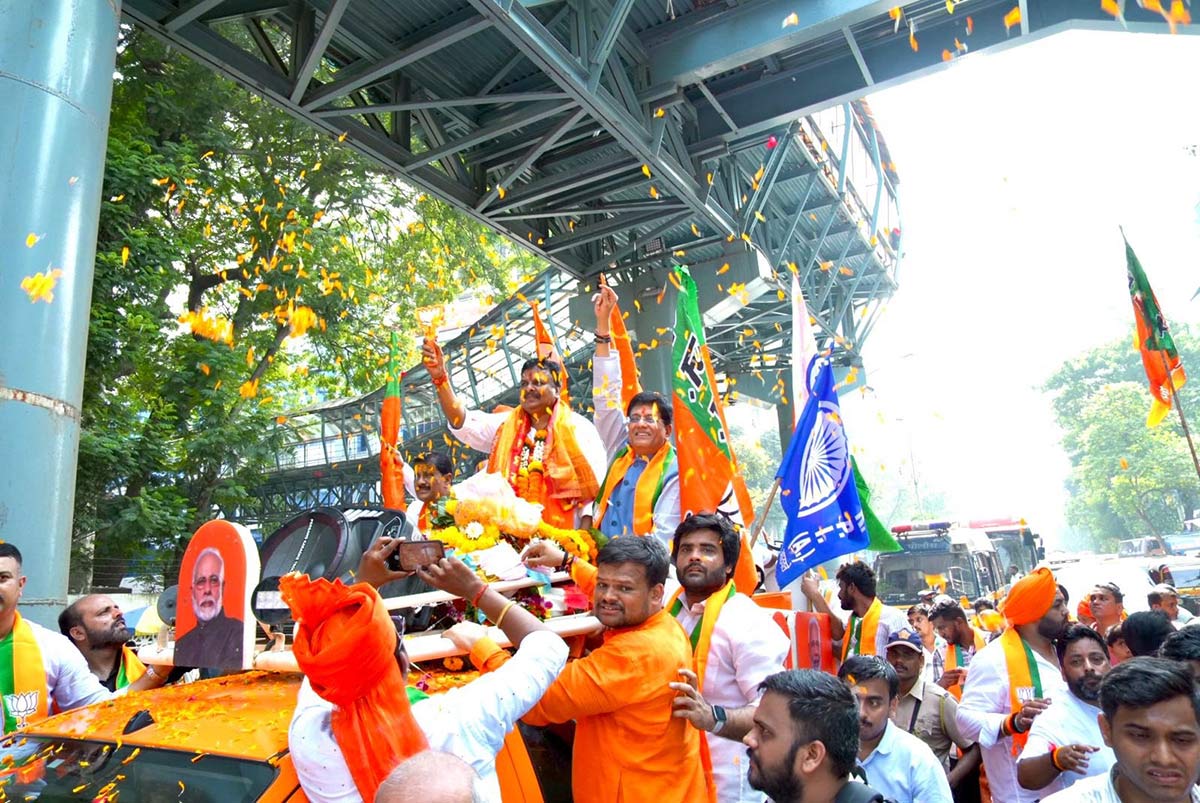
(640, 493)
(897, 763)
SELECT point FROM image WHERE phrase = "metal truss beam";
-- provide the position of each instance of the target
(524, 31)
(547, 141)
(312, 59)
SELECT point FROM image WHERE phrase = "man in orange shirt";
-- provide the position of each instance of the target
(628, 746)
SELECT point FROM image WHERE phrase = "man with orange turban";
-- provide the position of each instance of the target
(1013, 679)
(356, 718)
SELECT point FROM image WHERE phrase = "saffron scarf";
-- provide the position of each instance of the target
(954, 659)
(701, 638)
(701, 635)
(649, 486)
(346, 644)
(569, 479)
(22, 677)
(868, 629)
(1023, 678)
(131, 668)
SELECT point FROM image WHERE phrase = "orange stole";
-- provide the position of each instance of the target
(569, 478)
(649, 486)
(952, 660)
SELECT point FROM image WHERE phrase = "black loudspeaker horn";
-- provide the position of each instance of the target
(168, 602)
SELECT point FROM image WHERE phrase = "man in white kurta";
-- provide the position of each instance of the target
(743, 645)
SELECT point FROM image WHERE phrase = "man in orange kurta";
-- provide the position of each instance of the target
(628, 747)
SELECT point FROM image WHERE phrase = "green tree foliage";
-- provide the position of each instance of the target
(1126, 480)
(246, 264)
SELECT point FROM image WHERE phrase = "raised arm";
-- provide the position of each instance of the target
(810, 584)
(435, 363)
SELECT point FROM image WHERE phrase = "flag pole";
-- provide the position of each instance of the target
(762, 514)
(1179, 408)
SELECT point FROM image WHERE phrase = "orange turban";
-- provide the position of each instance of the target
(1030, 597)
(346, 645)
(1084, 610)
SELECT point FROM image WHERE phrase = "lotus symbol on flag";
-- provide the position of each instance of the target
(825, 464)
(21, 706)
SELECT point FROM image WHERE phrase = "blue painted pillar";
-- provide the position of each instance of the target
(56, 73)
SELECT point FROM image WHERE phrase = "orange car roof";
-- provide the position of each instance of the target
(244, 715)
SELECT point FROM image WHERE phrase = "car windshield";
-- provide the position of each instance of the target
(37, 768)
(902, 576)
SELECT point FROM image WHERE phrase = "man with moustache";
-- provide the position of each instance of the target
(1014, 679)
(1151, 720)
(216, 640)
(1107, 604)
(1065, 744)
(547, 452)
(628, 745)
(928, 711)
(736, 646)
(432, 476)
(871, 622)
(962, 642)
(803, 744)
(96, 626)
(897, 763)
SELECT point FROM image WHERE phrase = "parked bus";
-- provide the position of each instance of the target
(1016, 544)
(962, 560)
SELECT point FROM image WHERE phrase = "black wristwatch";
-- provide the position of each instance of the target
(720, 716)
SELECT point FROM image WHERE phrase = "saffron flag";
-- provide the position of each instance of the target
(881, 539)
(546, 350)
(390, 463)
(817, 491)
(709, 477)
(631, 382)
(1159, 357)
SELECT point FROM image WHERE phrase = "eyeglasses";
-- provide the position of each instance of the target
(642, 419)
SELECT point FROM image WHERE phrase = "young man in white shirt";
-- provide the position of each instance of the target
(998, 708)
(1064, 744)
(744, 647)
(1151, 720)
(897, 763)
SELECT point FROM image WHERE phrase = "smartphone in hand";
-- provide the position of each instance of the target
(409, 555)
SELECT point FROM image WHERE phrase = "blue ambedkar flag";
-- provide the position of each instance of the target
(824, 516)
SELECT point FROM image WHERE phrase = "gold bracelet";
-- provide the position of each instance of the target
(500, 618)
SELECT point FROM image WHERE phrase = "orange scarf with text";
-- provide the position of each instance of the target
(645, 495)
(569, 479)
(868, 630)
(1024, 681)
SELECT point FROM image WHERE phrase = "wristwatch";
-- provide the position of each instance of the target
(720, 716)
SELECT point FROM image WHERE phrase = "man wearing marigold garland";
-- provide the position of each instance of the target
(640, 494)
(429, 480)
(628, 745)
(736, 647)
(550, 454)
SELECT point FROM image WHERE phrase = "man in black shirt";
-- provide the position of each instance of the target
(216, 640)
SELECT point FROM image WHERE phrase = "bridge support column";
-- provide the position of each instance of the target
(56, 74)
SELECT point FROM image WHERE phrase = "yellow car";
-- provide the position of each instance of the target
(222, 740)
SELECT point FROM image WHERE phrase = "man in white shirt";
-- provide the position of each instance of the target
(743, 646)
(1151, 720)
(897, 763)
(871, 622)
(469, 722)
(550, 454)
(428, 479)
(932, 644)
(640, 493)
(998, 707)
(1064, 743)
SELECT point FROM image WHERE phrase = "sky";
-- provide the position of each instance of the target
(1016, 170)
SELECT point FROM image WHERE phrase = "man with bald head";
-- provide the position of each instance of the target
(216, 640)
(431, 776)
(96, 626)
